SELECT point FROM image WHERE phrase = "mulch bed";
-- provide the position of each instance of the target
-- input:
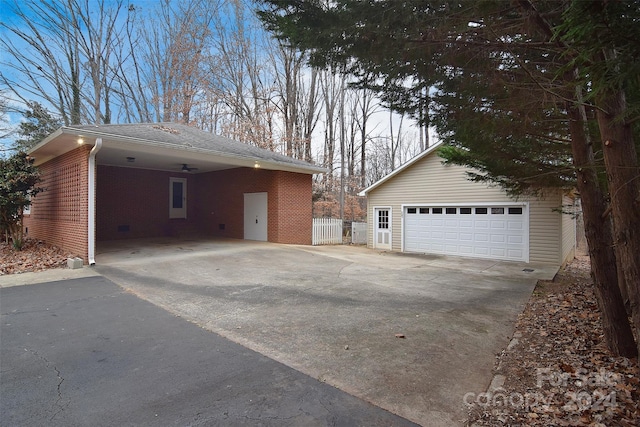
(34, 256)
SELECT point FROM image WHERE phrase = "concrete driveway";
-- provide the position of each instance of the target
(334, 312)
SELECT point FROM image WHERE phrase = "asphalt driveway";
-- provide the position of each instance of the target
(85, 352)
(335, 313)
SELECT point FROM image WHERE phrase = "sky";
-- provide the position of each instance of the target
(380, 121)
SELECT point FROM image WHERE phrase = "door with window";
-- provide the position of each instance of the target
(177, 197)
(382, 232)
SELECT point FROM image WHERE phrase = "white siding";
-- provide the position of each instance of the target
(429, 181)
(568, 229)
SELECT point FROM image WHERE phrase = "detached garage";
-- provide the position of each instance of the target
(428, 207)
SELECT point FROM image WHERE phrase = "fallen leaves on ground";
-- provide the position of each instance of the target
(557, 369)
(35, 255)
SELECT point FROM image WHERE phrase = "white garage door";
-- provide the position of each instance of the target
(496, 232)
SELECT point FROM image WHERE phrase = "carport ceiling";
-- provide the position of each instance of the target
(160, 159)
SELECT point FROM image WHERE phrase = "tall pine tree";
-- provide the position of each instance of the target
(517, 88)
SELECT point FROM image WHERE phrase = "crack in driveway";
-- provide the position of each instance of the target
(49, 364)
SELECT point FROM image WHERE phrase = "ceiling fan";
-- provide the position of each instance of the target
(186, 168)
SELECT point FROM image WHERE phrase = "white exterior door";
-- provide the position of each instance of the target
(177, 197)
(382, 228)
(494, 232)
(255, 216)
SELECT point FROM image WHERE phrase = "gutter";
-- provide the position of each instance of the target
(91, 220)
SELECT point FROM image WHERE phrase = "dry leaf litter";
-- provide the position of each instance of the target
(34, 256)
(557, 370)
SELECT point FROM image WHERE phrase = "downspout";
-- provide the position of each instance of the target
(91, 220)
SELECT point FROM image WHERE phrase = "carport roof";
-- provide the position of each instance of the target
(165, 146)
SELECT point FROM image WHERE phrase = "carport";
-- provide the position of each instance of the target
(115, 182)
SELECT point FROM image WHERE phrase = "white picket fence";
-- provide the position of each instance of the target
(327, 231)
(359, 233)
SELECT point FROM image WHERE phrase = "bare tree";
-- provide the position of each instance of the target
(309, 108)
(134, 99)
(240, 73)
(6, 129)
(174, 56)
(331, 86)
(42, 60)
(366, 108)
(395, 142)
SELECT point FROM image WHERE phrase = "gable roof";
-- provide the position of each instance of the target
(170, 141)
(408, 164)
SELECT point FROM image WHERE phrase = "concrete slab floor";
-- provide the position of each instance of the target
(333, 312)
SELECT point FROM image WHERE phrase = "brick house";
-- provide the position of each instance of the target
(111, 182)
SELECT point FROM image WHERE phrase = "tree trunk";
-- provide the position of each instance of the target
(623, 175)
(617, 331)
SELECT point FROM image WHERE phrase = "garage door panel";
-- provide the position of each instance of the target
(498, 225)
(497, 238)
(498, 252)
(465, 250)
(466, 237)
(493, 232)
(481, 237)
(515, 253)
(483, 251)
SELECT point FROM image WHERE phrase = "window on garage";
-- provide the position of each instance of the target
(424, 210)
(465, 211)
(436, 210)
(481, 211)
(515, 211)
(497, 211)
(411, 210)
(451, 211)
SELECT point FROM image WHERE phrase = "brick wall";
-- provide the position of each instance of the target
(221, 202)
(134, 203)
(288, 203)
(293, 209)
(59, 214)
